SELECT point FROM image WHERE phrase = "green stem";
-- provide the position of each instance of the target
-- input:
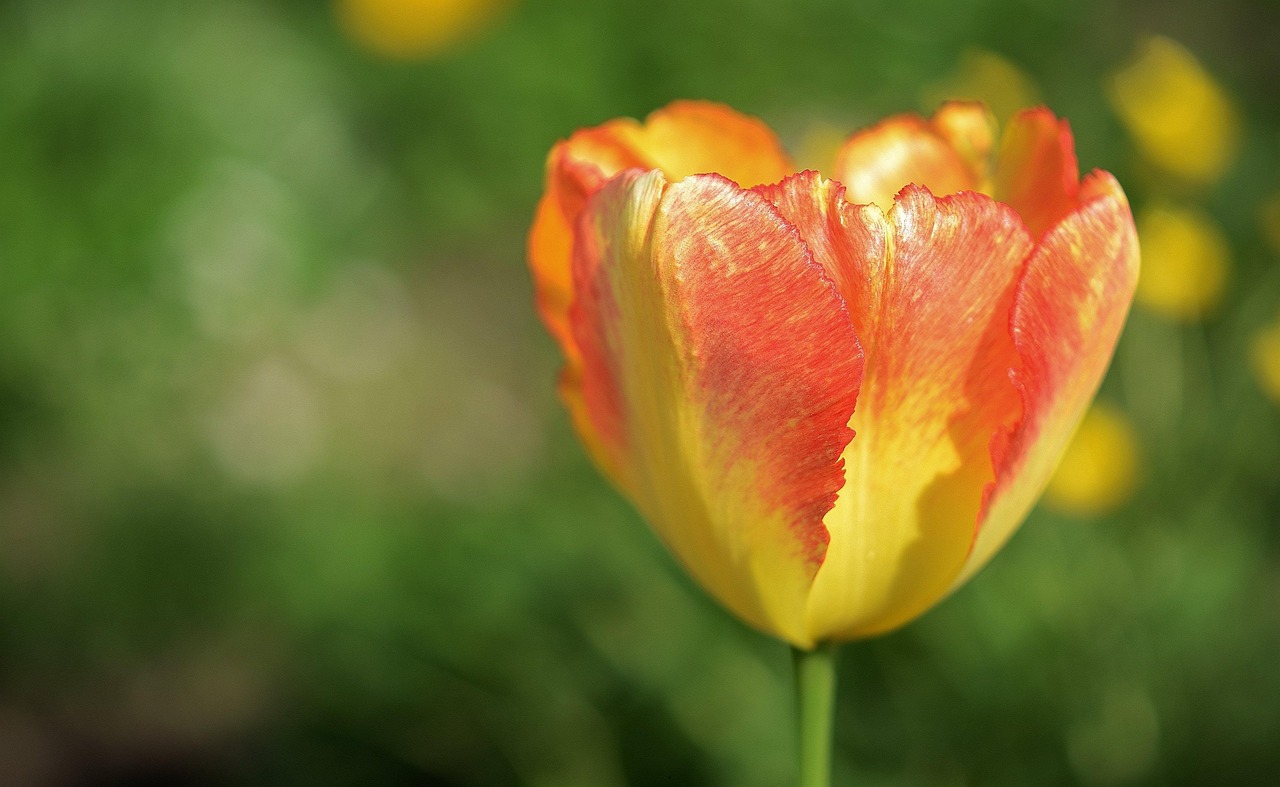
(816, 694)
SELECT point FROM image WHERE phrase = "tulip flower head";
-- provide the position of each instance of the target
(833, 398)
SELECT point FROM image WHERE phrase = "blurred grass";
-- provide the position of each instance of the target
(285, 496)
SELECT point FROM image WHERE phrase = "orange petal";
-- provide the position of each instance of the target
(1036, 171)
(878, 162)
(719, 373)
(576, 169)
(929, 288)
(691, 137)
(1068, 312)
(550, 246)
(833, 230)
(970, 129)
(683, 138)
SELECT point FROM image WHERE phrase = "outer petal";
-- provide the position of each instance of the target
(719, 373)
(877, 162)
(929, 287)
(681, 139)
(1070, 307)
(1036, 171)
(550, 249)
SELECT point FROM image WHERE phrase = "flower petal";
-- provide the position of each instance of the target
(691, 137)
(720, 370)
(549, 251)
(929, 287)
(970, 129)
(681, 139)
(877, 162)
(1068, 312)
(1036, 171)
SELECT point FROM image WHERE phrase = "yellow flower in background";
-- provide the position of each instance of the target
(987, 77)
(1265, 354)
(1185, 258)
(414, 29)
(1269, 218)
(1180, 117)
(1099, 471)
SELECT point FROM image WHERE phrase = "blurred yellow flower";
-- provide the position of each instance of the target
(1265, 354)
(1099, 471)
(1269, 218)
(414, 29)
(1185, 261)
(987, 77)
(1180, 117)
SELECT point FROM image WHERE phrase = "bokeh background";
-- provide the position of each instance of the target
(286, 496)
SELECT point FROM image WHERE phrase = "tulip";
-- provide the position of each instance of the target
(834, 399)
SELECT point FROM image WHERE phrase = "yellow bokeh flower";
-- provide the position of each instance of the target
(1099, 471)
(1185, 262)
(414, 29)
(1180, 117)
(1269, 218)
(984, 76)
(1265, 354)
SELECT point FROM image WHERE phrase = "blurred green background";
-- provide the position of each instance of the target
(286, 496)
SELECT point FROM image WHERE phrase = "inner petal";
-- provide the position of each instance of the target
(1036, 171)
(695, 137)
(1033, 169)
(876, 163)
